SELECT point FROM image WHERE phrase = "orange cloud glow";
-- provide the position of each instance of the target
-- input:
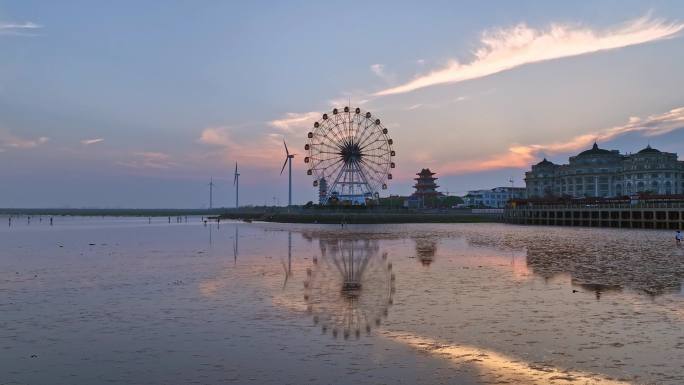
(265, 148)
(520, 156)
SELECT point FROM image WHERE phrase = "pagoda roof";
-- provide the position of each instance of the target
(425, 171)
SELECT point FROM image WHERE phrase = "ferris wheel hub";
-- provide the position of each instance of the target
(351, 152)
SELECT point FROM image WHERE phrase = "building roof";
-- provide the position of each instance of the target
(649, 150)
(545, 162)
(595, 150)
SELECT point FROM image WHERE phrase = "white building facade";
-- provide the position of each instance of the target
(493, 198)
(607, 173)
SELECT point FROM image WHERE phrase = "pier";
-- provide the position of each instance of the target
(625, 213)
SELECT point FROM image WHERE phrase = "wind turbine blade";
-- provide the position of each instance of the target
(235, 175)
(286, 151)
(283, 169)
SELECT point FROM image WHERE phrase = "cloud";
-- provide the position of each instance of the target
(437, 105)
(149, 159)
(356, 99)
(87, 142)
(521, 156)
(216, 136)
(504, 49)
(295, 120)
(263, 149)
(378, 69)
(302, 122)
(18, 28)
(9, 140)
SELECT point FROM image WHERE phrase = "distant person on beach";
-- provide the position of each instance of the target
(678, 237)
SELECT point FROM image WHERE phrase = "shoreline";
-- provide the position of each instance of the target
(279, 215)
(363, 217)
(110, 212)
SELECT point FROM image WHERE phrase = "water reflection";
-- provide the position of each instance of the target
(288, 267)
(599, 269)
(350, 288)
(132, 292)
(426, 247)
(235, 245)
(500, 367)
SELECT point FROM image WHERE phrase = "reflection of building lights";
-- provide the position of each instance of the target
(350, 289)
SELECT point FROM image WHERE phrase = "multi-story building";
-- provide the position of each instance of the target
(599, 172)
(425, 184)
(493, 198)
(426, 190)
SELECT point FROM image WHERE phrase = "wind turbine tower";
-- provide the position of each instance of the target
(211, 193)
(236, 182)
(288, 160)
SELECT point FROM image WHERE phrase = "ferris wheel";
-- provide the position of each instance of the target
(350, 155)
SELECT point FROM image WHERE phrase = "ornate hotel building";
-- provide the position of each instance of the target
(607, 173)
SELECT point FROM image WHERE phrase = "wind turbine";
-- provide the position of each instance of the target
(288, 159)
(211, 193)
(236, 182)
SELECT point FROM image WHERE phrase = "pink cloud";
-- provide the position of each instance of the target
(522, 156)
(296, 120)
(9, 140)
(264, 149)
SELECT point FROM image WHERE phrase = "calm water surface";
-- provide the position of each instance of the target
(124, 301)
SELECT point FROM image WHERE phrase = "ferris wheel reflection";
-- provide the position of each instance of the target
(350, 288)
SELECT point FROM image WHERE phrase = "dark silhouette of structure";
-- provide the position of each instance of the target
(426, 188)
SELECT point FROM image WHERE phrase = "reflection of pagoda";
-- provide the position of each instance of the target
(425, 186)
(425, 250)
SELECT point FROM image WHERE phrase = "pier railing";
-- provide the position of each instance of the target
(638, 205)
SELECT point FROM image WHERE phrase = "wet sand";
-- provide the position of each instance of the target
(92, 300)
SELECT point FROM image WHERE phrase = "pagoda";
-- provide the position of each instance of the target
(425, 185)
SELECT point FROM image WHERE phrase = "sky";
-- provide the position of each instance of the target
(138, 104)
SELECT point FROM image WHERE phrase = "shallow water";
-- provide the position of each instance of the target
(121, 300)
